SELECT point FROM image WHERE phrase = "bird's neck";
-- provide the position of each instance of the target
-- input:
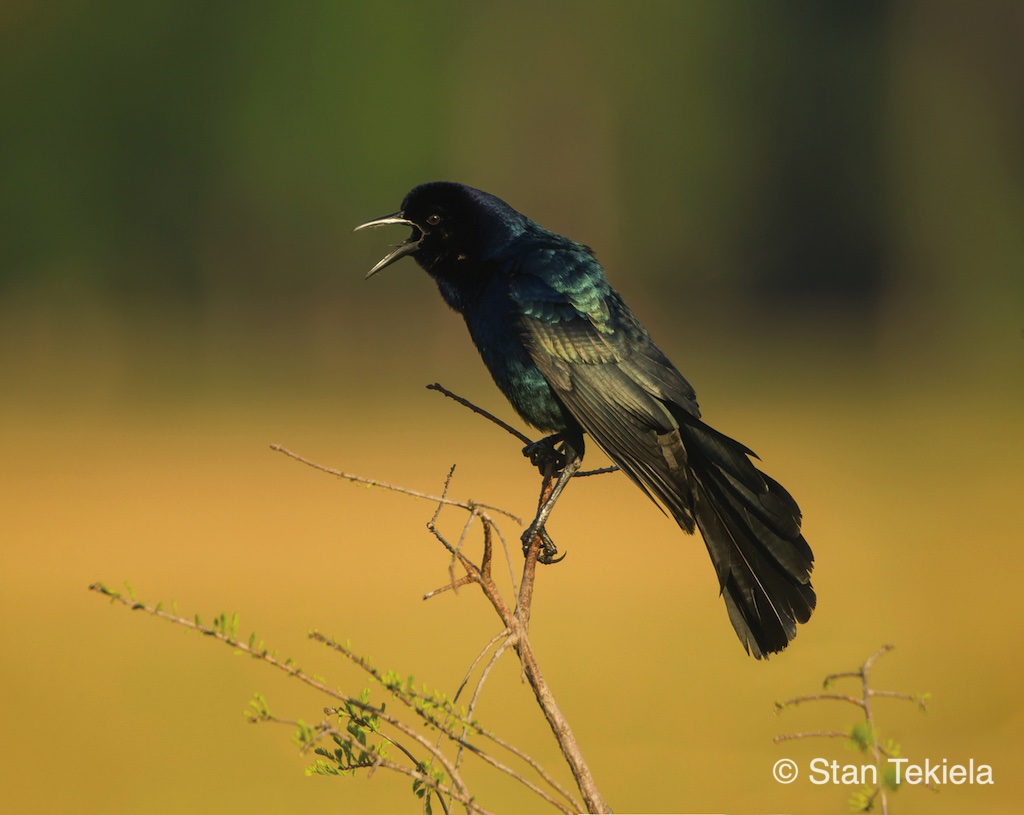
(460, 294)
(463, 281)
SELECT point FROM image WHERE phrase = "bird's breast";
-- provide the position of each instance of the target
(494, 326)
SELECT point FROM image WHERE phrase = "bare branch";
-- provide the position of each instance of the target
(820, 697)
(870, 661)
(812, 734)
(598, 471)
(465, 680)
(526, 440)
(518, 622)
(373, 482)
(436, 386)
(906, 697)
(489, 527)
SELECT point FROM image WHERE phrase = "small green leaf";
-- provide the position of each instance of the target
(860, 736)
(861, 801)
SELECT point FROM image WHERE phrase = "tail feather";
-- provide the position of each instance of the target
(751, 527)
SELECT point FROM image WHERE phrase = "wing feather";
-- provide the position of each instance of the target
(625, 393)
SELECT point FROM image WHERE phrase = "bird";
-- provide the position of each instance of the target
(574, 361)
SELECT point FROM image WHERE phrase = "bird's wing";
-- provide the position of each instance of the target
(606, 369)
(583, 321)
(604, 366)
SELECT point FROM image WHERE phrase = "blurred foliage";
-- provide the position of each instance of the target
(181, 179)
(219, 154)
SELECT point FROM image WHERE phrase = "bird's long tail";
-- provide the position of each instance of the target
(751, 526)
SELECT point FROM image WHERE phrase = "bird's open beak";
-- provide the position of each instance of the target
(400, 250)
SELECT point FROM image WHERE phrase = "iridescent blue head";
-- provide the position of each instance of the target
(452, 226)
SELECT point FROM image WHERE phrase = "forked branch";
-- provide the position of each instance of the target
(864, 736)
(369, 728)
(515, 618)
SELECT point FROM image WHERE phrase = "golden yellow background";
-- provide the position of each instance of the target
(181, 289)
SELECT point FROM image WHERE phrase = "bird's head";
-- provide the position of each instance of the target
(453, 226)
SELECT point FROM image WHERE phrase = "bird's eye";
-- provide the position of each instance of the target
(434, 219)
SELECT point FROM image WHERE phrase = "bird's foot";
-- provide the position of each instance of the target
(548, 551)
(542, 453)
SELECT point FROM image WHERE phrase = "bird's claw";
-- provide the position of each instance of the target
(543, 453)
(549, 558)
(548, 551)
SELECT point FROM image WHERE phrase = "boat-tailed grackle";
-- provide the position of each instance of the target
(572, 359)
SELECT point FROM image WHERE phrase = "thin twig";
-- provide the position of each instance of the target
(458, 549)
(526, 440)
(489, 527)
(576, 805)
(812, 734)
(491, 643)
(469, 713)
(531, 669)
(373, 482)
(876, 749)
(485, 674)
(453, 584)
(820, 697)
(598, 471)
(892, 694)
(437, 386)
(444, 494)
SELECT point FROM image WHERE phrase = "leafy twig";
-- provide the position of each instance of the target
(359, 753)
(864, 736)
(256, 650)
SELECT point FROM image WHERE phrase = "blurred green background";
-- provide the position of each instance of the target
(818, 210)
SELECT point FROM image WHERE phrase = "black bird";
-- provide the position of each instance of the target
(573, 359)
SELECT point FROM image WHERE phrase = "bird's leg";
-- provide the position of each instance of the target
(572, 461)
(543, 453)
